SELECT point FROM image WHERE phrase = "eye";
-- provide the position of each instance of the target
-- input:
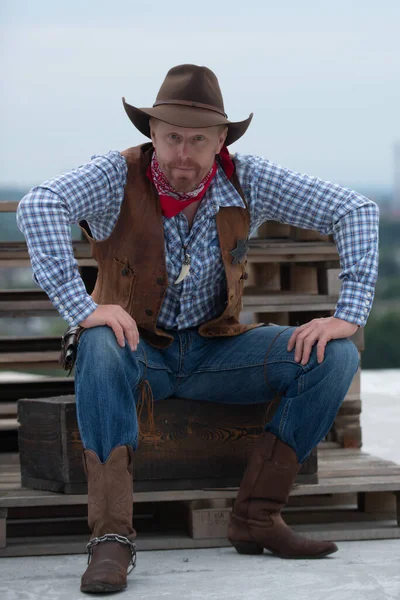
(199, 138)
(173, 136)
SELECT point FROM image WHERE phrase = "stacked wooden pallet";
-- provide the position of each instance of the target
(291, 281)
(357, 498)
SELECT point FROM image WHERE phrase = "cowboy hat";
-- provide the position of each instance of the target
(190, 96)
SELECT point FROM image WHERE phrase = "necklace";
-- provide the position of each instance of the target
(185, 270)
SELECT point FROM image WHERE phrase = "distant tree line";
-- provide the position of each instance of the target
(382, 332)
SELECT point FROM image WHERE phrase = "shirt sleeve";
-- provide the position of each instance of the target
(93, 192)
(279, 194)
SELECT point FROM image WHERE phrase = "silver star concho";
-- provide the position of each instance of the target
(239, 252)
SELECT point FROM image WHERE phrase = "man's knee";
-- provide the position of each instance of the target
(342, 356)
(98, 347)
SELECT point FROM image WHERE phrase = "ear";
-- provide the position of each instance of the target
(152, 131)
(222, 139)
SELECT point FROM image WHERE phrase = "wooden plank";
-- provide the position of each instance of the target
(8, 206)
(372, 502)
(259, 300)
(26, 387)
(25, 497)
(309, 235)
(16, 263)
(9, 458)
(351, 531)
(53, 545)
(365, 471)
(28, 303)
(22, 358)
(273, 229)
(398, 507)
(376, 483)
(3, 527)
(15, 254)
(8, 409)
(8, 424)
(259, 303)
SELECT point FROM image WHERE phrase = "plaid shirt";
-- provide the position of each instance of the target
(95, 192)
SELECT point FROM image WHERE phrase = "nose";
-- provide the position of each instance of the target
(184, 150)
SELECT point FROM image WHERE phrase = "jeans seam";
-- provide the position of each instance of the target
(300, 386)
(282, 422)
(247, 366)
(155, 367)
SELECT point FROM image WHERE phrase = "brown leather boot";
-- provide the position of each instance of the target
(110, 511)
(256, 521)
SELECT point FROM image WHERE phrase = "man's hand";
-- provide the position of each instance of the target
(118, 319)
(321, 331)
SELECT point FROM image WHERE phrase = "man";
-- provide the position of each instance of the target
(168, 223)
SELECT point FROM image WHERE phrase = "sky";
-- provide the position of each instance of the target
(322, 78)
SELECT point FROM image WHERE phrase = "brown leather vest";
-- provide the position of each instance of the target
(131, 261)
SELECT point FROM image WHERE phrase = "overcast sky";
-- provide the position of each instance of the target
(322, 78)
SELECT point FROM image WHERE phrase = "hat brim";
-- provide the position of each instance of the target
(184, 116)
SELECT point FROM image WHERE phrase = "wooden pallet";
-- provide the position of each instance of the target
(357, 498)
(15, 254)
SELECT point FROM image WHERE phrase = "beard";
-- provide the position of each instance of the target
(186, 177)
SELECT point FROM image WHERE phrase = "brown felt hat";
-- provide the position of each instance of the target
(190, 96)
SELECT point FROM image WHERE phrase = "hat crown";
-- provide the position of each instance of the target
(191, 84)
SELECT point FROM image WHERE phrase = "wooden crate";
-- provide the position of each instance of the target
(196, 444)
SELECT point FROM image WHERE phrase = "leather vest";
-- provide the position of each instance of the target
(131, 261)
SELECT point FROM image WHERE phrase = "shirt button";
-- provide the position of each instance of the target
(366, 303)
(61, 307)
(369, 295)
(56, 298)
(365, 310)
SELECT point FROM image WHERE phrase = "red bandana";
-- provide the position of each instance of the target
(173, 202)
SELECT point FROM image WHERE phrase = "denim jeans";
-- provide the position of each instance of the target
(228, 370)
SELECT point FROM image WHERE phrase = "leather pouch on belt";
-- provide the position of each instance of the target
(69, 347)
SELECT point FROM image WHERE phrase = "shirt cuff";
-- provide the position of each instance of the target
(74, 305)
(355, 302)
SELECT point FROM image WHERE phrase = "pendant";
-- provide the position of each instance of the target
(185, 269)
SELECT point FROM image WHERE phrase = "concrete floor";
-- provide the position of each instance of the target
(359, 571)
(368, 570)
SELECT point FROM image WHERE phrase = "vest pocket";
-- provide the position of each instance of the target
(122, 283)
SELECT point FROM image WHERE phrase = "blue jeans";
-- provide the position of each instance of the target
(228, 370)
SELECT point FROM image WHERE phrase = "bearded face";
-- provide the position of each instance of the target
(185, 155)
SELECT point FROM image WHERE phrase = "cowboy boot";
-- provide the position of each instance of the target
(110, 509)
(256, 522)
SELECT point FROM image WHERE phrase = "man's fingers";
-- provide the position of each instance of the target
(131, 332)
(132, 336)
(308, 344)
(321, 349)
(294, 336)
(298, 352)
(118, 331)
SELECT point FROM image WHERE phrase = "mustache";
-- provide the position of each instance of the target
(187, 165)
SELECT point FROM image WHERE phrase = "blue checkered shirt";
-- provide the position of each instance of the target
(95, 192)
